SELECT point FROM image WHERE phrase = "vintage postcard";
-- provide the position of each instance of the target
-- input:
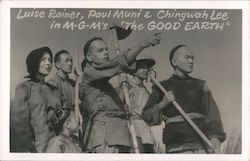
(150, 80)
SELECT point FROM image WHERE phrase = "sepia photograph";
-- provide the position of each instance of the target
(164, 81)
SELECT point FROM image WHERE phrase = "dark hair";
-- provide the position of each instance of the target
(34, 58)
(58, 55)
(58, 118)
(86, 49)
(173, 51)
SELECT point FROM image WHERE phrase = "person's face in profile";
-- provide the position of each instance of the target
(183, 60)
(45, 64)
(98, 52)
(65, 63)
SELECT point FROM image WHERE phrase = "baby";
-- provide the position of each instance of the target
(64, 123)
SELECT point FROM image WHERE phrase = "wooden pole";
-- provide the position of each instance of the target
(126, 95)
(77, 109)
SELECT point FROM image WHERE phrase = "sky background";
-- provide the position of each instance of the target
(218, 54)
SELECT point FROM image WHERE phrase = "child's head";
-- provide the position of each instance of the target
(62, 120)
(71, 123)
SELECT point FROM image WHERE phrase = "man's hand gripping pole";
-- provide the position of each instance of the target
(184, 115)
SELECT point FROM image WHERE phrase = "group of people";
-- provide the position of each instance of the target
(43, 116)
